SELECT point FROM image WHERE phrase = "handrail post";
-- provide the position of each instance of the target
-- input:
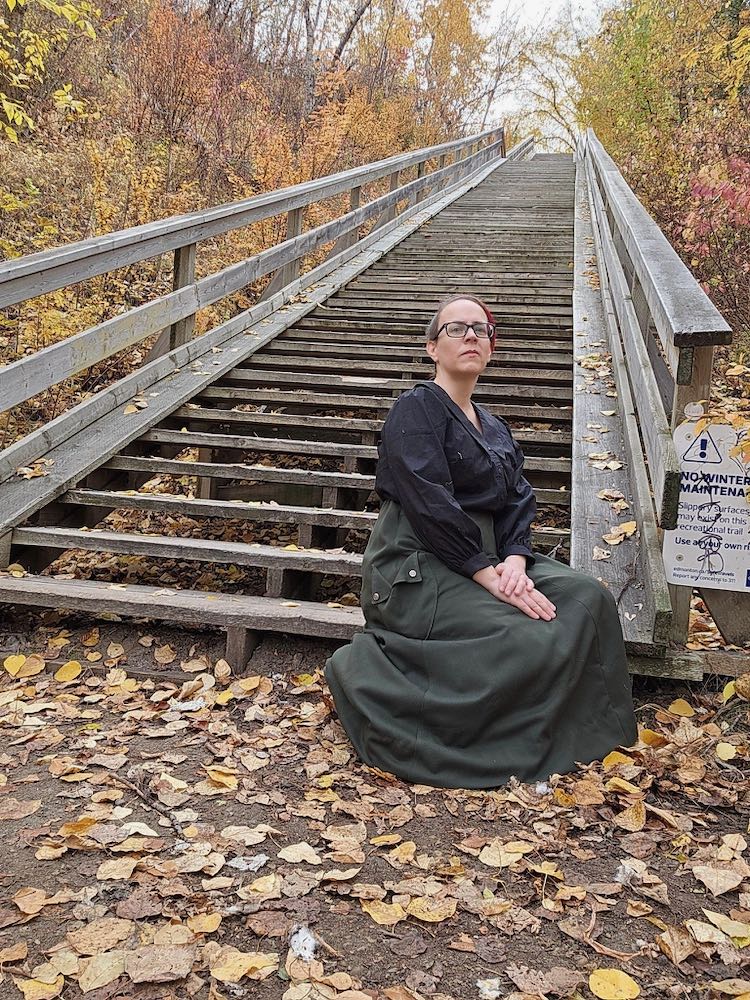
(294, 219)
(349, 239)
(441, 164)
(184, 274)
(420, 173)
(502, 141)
(390, 212)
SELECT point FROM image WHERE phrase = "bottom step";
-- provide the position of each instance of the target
(243, 616)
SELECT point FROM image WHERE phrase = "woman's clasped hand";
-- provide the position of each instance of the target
(509, 583)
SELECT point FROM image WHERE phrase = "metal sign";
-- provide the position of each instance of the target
(710, 547)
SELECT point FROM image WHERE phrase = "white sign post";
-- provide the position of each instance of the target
(710, 547)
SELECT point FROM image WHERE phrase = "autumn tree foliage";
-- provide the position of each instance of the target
(666, 87)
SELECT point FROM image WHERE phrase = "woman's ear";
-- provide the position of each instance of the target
(431, 348)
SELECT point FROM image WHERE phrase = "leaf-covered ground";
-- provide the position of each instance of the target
(216, 837)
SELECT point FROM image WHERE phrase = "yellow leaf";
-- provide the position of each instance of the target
(726, 751)
(130, 408)
(386, 839)
(230, 965)
(633, 818)
(68, 671)
(547, 868)
(385, 914)
(34, 989)
(204, 923)
(617, 784)
(682, 708)
(404, 852)
(14, 663)
(117, 869)
(613, 984)
(224, 697)
(431, 910)
(614, 758)
(652, 739)
(729, 691)
(737, 930)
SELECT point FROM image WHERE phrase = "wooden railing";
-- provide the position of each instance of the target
(44, 272)
(667, 328)
(459, 164)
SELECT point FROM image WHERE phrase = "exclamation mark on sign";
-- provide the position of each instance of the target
(703, 448)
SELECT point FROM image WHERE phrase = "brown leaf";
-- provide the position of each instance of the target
(159, 964)
(11, 808)
(100, 935)
(676, 943)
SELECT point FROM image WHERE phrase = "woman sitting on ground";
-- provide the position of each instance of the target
(479, 659)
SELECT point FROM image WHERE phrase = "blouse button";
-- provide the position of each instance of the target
(412, 572)
(376, 597)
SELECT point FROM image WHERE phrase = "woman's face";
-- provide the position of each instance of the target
(461, 356)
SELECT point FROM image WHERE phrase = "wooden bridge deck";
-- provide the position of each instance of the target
(259, 470)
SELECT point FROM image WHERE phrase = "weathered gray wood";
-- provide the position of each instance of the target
(288, 272)
(561, 413)
(731, 613)
(485, 389)
(253, 510)
(648, 566)
(591, 517)
(37, 274)
(17, 502)
(188, 607)
(249, 473)
(218, 441)
(663, 464)
(682, 312)
(200, 549)
(272, 513)
(184, 274)
(28, 376)
(192, 412)
(241, 644)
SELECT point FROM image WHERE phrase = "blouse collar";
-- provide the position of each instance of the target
(456, 410)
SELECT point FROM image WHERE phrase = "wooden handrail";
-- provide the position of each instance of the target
(28, 376)
(682, 313)
(39, 273)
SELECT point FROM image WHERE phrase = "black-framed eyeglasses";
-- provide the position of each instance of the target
(456, 329)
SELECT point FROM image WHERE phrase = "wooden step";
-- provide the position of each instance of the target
(269, 513)
(290, 426)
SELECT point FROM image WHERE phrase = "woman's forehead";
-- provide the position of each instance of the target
(462, 309)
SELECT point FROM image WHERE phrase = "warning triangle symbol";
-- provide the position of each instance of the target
(703, 451)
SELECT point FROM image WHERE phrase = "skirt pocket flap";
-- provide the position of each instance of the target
(409, 570)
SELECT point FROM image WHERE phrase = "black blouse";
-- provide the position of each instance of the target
(434, 462)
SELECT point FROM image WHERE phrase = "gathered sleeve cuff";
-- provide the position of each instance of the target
(513, 520)
(412, 444)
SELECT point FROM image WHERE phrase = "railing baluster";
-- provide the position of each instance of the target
(184, 274)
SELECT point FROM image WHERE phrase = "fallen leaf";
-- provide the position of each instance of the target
(385, 914)
(230, 965)
(682, 708)
(297, 853)
(68, 671)
(159, 964)
(101, 970)
(431, 910)
(613, 984)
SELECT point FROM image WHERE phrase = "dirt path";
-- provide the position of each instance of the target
(164, 839)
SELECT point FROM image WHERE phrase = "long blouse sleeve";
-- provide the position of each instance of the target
(513, 519)
(413, 463)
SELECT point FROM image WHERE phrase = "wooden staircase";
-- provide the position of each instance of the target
(262, 478)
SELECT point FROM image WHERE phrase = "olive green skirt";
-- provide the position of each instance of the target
(448, 686)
